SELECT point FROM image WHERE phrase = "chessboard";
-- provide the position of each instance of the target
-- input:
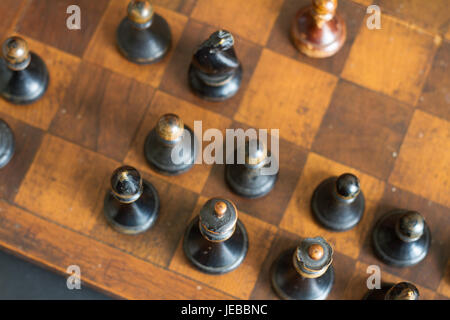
(379, 108)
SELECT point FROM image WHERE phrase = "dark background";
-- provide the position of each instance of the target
(20, 279)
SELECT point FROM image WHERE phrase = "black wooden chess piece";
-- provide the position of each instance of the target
(318, 30)
(338, 202)
(143, 36)
(401, 238)
(170, 147)
(250, 179)
(132, 205)
(23, 74)
(216, 241)
(305, 273)
(215, 72)
(7, 144)
(391, 291)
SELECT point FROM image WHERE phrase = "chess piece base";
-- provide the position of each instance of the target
(318, 42)
(215, 93)
(7, 144)
(393, 251)
(144, 46)
(24, 86)
(136, 217)
(215, 257)
(333, 214)
(290, 285)
(159, 155)
(238, 179)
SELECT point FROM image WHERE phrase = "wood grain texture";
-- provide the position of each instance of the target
(378, 59)
(107, 268)
(102, 111)
(423, 164)
(61, 67)
(53, 29)
(103, 50)
(278, 97)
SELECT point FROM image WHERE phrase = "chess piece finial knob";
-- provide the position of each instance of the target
(170, 127)
(402, 291)
(216, 241)
(410, 226)
(215, 72)
(315, 251)
(132, 204)
(255, 152)
(126, 184)
(401, 238)
(16, 53)
(313, 257)
(347, 186)
(318, 31)
(140, 11)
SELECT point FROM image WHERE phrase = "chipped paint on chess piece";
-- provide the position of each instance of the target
(132, 205)
(7, 144)
(170, 139)
(401, 238)
(216, 242)
(318, 30)
(24, 76)
(246, 179)
(215, 73)
(338, 202)
(143, 37)
(305, 273)
(391, 291)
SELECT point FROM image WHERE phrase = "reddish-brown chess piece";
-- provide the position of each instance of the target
(318, 30)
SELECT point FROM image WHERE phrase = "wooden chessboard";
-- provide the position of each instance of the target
(380, 108)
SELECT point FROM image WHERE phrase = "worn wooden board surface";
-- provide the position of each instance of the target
(380, 108)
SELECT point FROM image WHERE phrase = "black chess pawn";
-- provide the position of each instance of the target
(143, 36)
(305, 273)
(132, 205)
(318, 30)
(216, 241)
(23, 74)
(252, 179)
(7, 144)
(338, 202)
(170, 147)
(215, 72)
(401, 238)
(391, 291)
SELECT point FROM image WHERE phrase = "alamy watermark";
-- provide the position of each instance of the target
(74, 280)
(374, 20)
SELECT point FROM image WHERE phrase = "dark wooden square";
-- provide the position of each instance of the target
(280, 39)
(175, 80)
(435, 97)
(271, 207)
(27, 141)
(365, 134)
(53, 29)
(431, 270)
(102, 110)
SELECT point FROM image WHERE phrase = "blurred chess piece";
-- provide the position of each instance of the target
(247, 179)
(318, 30)
(170, 147)
(215, 72)
(401, 238)
(216, 241)
(305, 273)
(23, 74)
(132, 205)
(7, 144)
(338, 202)
(143, 36)
(391, 291)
